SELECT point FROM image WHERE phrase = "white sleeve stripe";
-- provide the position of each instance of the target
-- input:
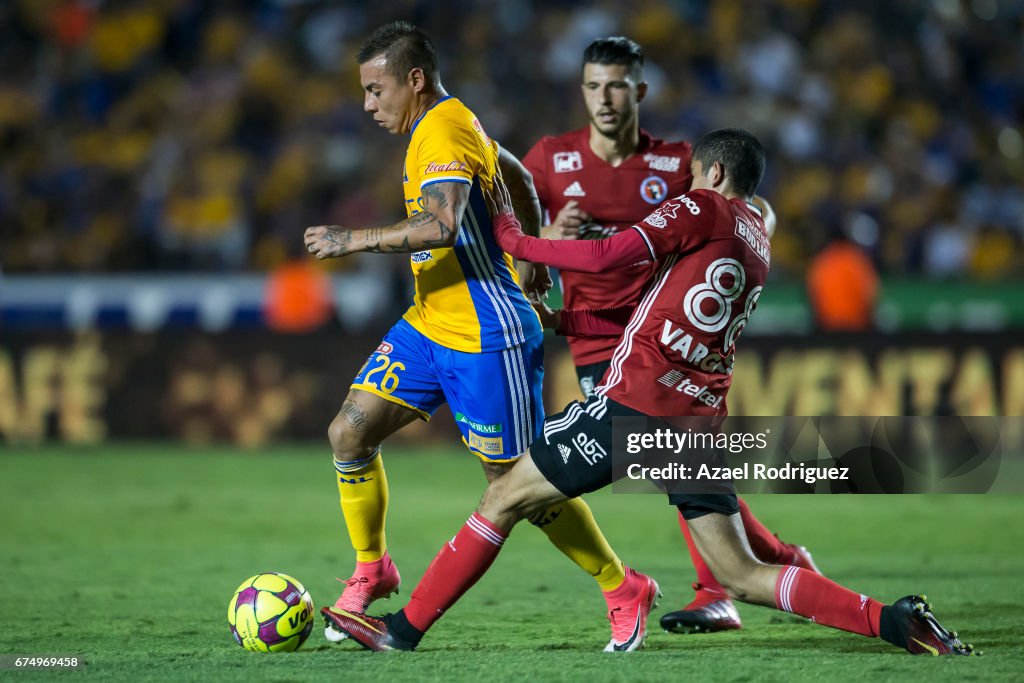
(650, 246)
(445, 179)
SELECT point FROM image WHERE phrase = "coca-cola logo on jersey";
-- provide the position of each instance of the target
(434, 167)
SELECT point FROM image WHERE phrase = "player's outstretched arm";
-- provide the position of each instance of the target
(579, 322)
(435, 227)
(585, 256)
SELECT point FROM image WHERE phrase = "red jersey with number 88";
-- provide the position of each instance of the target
(676, 357)
(564, 169)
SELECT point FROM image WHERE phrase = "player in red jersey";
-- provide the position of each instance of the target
(597, 181)
(711, 256)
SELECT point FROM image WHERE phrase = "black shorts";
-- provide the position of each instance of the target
(590, 376)
(574, 453)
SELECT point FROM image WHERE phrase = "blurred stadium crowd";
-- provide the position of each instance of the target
(191, 135)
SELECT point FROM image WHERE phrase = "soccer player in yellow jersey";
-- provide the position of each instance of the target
(470, 339)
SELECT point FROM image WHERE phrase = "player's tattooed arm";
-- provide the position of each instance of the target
(524, 195)
(534, 278)
(435, 227)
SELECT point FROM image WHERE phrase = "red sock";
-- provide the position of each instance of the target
(459, 565)
(704, 576)
(764, 543)
(825, 602)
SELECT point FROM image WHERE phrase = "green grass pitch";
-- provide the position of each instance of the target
(129, 554)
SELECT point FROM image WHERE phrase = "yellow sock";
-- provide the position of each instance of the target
(573, 530)
(363, 488)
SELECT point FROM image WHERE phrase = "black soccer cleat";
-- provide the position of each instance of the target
(710, 611)
(910, 624)
(373, 633)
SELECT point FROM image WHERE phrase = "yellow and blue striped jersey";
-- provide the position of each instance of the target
(467, 296)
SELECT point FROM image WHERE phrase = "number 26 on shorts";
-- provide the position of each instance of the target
(389, 382)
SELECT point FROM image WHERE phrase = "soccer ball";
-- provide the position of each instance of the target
(271, 612)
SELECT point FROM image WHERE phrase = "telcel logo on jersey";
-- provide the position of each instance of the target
(700, 393)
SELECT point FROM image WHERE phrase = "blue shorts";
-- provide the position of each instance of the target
(494, 396)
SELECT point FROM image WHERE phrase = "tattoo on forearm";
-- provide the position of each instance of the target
(421, 219)
(376, 238)
(355, 416)
(423, 230)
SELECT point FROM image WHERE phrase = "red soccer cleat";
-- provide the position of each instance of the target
(628, 616)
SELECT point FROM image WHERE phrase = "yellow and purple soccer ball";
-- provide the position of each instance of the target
(271, 612)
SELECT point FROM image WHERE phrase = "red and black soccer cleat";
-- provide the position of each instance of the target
(363, 588)
(373, 633)
(710, 611)
(910, 624)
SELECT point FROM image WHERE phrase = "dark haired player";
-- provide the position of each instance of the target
(597, 181)
(470, 339)
(711, 253)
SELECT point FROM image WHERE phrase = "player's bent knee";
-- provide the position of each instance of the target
(349, 444)
(518, 494)
(505, 505)
(498, 500)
